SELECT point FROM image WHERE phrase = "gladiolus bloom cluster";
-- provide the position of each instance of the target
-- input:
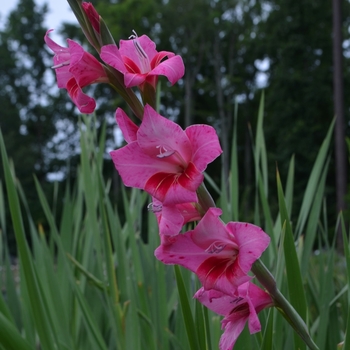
(168, 163)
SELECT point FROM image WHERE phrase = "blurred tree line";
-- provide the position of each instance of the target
(231, 49)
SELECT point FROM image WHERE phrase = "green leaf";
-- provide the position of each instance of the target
(313, 182)
(267, 342)
(37, 304)
(295, 284)
(10, 338)
(186, 310)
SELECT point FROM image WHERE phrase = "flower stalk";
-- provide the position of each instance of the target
(205, 200)
(265, 277)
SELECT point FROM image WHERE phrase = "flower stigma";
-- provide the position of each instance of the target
(154, 208)
(163, 152)
(66, 63)
(216, 247)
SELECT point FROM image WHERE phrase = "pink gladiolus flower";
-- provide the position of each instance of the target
(163, 159)
(140, 62)
(244, 306)
(221, 255)
(172, 218)
(92, 15)
(75, 68)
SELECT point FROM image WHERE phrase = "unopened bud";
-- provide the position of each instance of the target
(92, 15)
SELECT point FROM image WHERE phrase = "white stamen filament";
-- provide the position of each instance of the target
(216, 247)
(154, 208)
(144, 60)
(163, 152)
(66, 63)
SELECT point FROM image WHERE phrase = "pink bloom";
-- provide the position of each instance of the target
(92, 15)
(244, 306)
(140, 62)
(171, 218)
(75, 69)
(163, 159)
(221, 255)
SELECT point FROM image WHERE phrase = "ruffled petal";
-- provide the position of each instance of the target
(148, 46)
(61, 52)
(110, 54)
(84, 103)
(178, 194)
(127, 48)
(191, 178)
(159, 57)
(84, 66)
(128, 128)
(210, 229)
(157, 133)
(180, 250)
(252, 241)
(170, 220)
(132, 79)
(232, 331)
(173, 68)
(136, 167)
(205, 144)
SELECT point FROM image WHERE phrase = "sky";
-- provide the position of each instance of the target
(59, 11)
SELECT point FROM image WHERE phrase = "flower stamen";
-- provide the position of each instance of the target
(62, 64)
(144, 60)
(163, 152)
(154, 208)
(215, 247)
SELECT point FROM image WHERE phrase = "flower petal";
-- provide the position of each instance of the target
(210, 229)
(62, 53)
(62, 56)
(134, 79)
(85, 67)
(110, 54)
(170, 220)
(205, 145)
(214, 300)
(157, 131)
(136, 167)
(128, 128)
(252, 241)
(191, 178)
(159, 57)
(232, 331)
(127, 48)
(180, 250)
(148, 46)
(165, 187)
(84, 103)
(173, 68)
(220, 274)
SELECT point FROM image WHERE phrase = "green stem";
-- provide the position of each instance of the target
(265, 277)
(205, 200)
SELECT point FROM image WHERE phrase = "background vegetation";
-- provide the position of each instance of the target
(73, 234)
